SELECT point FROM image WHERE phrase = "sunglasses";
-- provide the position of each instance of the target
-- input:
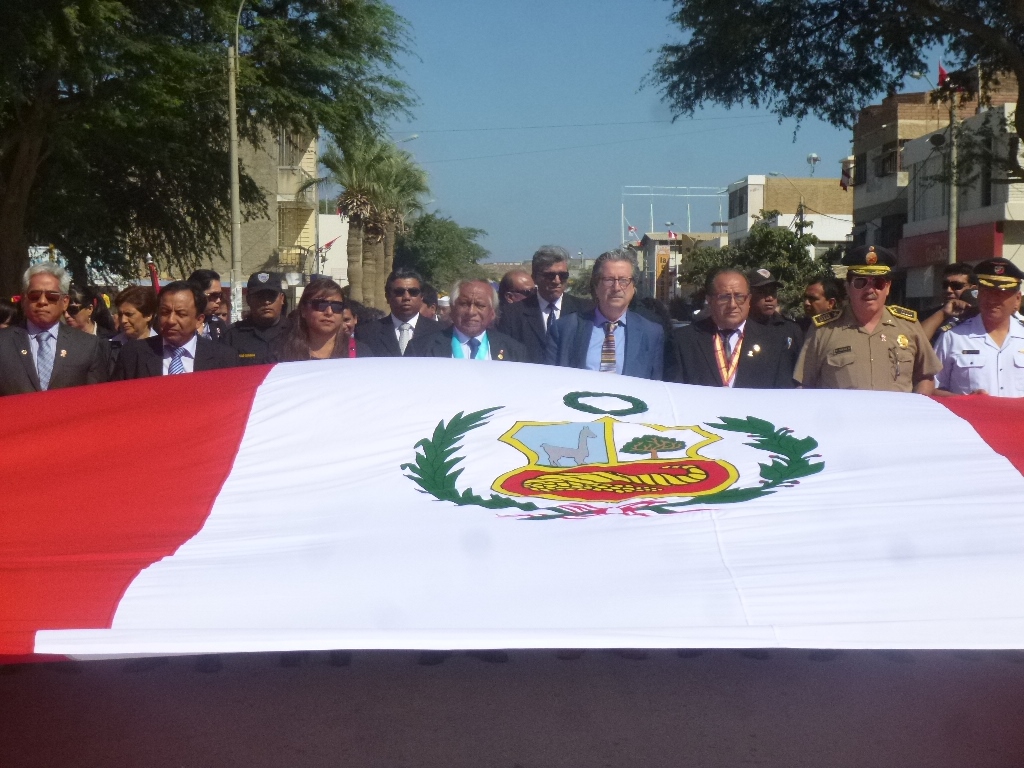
(953, 286)
(51, 296)
(322, 305)
(397, 292)
(563, 276)
(74, 309)
(214, 296)
(878, 283)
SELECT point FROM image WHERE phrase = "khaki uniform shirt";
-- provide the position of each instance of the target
(842, 355)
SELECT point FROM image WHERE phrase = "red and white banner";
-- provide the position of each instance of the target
(413, 504)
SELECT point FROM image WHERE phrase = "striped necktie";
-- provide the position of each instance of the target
(44, 359)
(608, 348)
(176, 365)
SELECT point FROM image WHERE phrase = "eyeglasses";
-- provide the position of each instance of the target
(725, 298)
(611, 282)
(953, 286)
(51, 296)
(73, 309)
(552, 276)
(322, 305)
(878, 283)
(214, 297)
(399, 292)
(519, 292)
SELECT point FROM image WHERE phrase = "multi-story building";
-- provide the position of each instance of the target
(660, 254)
(286, 241)
(820, 202)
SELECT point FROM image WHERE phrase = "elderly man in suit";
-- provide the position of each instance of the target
(724, 349)
(390, 336)
(609, 338)
(528, 321)
(179, 348)
(42, 353)
(474, 305)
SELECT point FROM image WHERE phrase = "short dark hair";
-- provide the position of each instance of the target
(830, 287)
(142, 297)
(960, 269)
(429, 294)
(204, 278)
(402, 273)
(709, 282)
(547, 255)
(183, 286)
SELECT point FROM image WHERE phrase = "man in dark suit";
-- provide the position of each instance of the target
(474, 304)
(42, 353)
(609, 338)
(527, 321)
(725, 349)
(179, 348)
(390, 336)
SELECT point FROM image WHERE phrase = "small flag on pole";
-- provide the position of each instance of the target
(672, 235)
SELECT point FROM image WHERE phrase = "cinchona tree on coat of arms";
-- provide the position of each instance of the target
(587, 467)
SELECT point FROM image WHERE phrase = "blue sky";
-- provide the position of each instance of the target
(485, 73)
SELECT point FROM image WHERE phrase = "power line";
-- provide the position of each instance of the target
(570, 125)
(578, 146)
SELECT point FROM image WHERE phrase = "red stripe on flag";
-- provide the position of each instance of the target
(100, 482)
(996, 419)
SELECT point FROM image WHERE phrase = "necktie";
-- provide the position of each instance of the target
(608, 348)
(726, 338)
(474, 347)
(176, 365)
(44, 359)
(404, 335)
(550, 316)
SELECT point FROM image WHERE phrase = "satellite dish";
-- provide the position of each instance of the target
(812, 160)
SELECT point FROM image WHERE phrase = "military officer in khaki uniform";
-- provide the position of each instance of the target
(868, 345)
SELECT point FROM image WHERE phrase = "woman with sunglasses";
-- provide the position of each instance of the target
(87, 311)
(320, 332)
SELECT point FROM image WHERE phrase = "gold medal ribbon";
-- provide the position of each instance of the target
(727, 368)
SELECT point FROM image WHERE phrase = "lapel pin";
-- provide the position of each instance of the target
(63, 353)
(501, 354)
(24, 351)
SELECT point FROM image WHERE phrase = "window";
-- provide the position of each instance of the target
(737, 202)
(289, 153)
(860, 169)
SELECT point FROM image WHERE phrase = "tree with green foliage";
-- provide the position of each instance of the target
(831, 58)
(441, 250)
(787, 254)
(114, 125)
(653, 444)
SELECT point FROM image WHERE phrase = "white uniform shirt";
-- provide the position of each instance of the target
(971, 360)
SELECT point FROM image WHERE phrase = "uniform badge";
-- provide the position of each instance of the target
(998, 269)
(882, 336)
(903, 341)
(263, 277)
(872, 257)
(841, 350)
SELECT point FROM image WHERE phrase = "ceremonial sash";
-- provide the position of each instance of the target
(727, 367)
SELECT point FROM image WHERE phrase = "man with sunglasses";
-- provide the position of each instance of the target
(958, 282)
(868, 345)
(515, 286)
(390, 336)
(252, 337)
(984, 354)
(41, 353)
(528, 321)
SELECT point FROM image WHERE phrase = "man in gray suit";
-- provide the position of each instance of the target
(41, 352)
(608, 338)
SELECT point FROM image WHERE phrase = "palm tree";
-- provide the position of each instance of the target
(403, 186)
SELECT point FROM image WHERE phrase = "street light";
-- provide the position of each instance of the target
(236, 205)
(937, 141)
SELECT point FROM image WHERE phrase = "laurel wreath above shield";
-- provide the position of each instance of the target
(435, 469)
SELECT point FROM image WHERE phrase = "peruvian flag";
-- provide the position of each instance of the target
(672, 235)
(631, 228)
(847, 175)
(943, 75)
(329, 505)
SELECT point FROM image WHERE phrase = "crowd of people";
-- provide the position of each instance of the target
(848, 337)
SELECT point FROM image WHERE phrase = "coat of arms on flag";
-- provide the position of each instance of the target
(608, 465)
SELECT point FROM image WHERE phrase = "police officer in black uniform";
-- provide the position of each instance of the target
(251, 338)
(764, 309)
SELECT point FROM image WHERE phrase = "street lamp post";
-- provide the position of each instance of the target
(236, 205)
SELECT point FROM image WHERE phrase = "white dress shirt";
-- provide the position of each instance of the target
(398, 323)
(544, 304)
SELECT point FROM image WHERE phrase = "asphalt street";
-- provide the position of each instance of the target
(780, 708)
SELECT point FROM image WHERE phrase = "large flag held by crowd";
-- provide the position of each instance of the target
(432, 504)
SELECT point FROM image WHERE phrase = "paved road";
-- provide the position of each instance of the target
(720, 708)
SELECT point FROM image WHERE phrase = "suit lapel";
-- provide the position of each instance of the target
(155, 360)
(634, 343)
(61, 351)
(388, 338)
(706, 339)
(201, 356)
(584, 329)
(24, 351)
(535, 320)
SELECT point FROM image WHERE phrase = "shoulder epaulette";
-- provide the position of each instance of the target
(903, 313)
(826, 317)
(953, 323)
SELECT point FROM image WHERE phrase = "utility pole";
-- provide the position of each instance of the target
(236, 205)
(954, 202)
